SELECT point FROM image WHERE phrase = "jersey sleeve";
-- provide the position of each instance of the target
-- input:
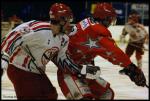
(109, 50)
(113, 53)
(63, 61)
(9, 44)
(14, 40)
(124, 32)
(129, 28)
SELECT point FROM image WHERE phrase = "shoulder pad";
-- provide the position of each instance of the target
(101, 30)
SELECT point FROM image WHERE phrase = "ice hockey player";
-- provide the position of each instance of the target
(88, 39)
(137, 37)
(29, 47)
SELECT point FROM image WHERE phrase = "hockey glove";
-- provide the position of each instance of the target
(90, 72)
(4, 66)
(135, 74)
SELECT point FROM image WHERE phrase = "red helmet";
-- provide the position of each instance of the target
(59, 11)
(104, 11)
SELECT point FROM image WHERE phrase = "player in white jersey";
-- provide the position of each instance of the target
(29, 47)
(137, 37)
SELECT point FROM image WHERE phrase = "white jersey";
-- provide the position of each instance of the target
(32, 45)
(136, 32)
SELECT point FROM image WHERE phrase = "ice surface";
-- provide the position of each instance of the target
(121, 84)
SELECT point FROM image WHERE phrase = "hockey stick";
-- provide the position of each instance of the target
(26, 49)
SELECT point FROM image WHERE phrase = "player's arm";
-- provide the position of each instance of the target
(8, 46)
(146, 35)
(123, 34)
(64, 62)
(129, 28)
(112, 52)
(147, 39)
(12, 41)
(116, 56)
(108, 48)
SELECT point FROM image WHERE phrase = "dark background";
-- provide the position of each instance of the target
(39, 9)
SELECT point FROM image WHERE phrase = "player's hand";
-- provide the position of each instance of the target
(90, 72)
(136, 75)
(4, 66)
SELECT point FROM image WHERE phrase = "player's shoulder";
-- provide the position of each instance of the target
(140, 25)
(36, 22)
(100, 30)
(94, 27)
(36, 25)
(85, 23)
(129, 26)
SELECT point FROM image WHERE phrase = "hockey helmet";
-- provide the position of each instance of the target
(134, 16)
(59, 12)
(105, 12)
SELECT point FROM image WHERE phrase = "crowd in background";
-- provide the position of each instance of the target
(26, 11)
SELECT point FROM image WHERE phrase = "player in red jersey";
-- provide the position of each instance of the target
(88, 39)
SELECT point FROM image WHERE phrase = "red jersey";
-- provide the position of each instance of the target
(89, 39)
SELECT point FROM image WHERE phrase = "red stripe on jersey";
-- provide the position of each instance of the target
(33, 23)
(15, 53)
(25, 61)
(3, 44)
(41, 26)
(11, 41)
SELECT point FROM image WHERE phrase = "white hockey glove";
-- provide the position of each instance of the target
(4, 62)
(90, 72)
(4, 66)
